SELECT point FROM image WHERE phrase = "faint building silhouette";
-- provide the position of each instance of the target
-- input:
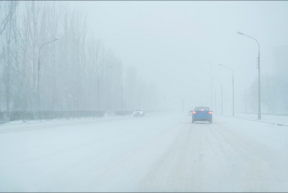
(280, 61)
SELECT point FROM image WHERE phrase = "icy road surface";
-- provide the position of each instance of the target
(159, 152)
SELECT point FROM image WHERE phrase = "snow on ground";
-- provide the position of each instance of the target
(273, 119)
(158, 152)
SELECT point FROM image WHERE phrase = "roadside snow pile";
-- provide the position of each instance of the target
(280, 120)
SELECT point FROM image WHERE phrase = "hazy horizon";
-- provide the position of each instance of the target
(177, 44)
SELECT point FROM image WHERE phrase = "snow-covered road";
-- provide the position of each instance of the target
(159, 152)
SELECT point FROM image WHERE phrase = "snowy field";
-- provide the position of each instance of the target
(158, 152)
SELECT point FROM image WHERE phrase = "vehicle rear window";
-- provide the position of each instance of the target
(201, 109)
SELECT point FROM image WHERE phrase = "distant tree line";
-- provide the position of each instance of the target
(73, 73)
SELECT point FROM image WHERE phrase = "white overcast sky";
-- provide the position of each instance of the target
(176, 43)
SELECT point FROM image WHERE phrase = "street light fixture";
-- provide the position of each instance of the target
(259, 92)
(221, 93)
(38, 81)
(98, 80)
(232, 87)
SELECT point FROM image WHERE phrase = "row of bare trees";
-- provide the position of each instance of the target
(74, 72)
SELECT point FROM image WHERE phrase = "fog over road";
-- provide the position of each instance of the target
(158, 152)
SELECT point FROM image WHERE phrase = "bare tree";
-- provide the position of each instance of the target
(6, 18)
(72, 70)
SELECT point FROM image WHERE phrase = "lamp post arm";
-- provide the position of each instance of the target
(124, 79)
(229, 69)
(218, 80)
(258, 48)
(255, 40)
(40, 50)
(103, 69)
(38, 79)
(47, 43)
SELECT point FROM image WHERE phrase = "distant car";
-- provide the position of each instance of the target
(138, 113)
(202, 114)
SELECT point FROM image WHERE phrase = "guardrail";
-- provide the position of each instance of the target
(44, 115)
(123, 113)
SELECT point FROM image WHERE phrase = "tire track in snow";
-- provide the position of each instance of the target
(180, 168)
(250, 158)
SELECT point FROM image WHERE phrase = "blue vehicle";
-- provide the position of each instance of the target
(202, 114)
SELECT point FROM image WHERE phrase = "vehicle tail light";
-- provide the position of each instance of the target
(194, 112)
(210, 112)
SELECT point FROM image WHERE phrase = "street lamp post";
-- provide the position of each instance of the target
(139, 105)
(122, 93)
(232, 87)
(259, 92)
(38, 81)
(69, 104)
(98, 80)
(221, 93)
(215, 97)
